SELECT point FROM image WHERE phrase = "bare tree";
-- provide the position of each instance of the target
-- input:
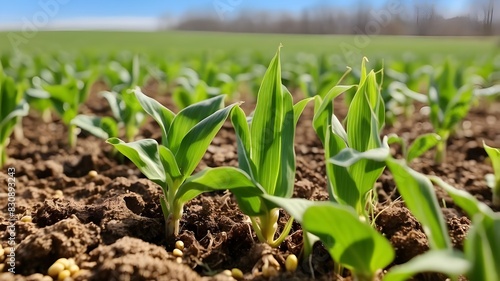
(488, 9)
(425, 14)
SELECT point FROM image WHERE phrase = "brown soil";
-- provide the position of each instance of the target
(113, 227)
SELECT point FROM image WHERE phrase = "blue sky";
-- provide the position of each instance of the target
(14, 13)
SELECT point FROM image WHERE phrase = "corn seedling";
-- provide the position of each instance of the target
(450, 100)
(493, 180)
(12, 108)
(418, 147)
(185, 138)
(352, 167)
(127, 113)
(265, 152)
(67, 97)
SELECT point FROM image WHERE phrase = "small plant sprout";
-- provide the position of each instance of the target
(354, 156)
(185, 138)
(266, 153)
(66, 99)
(450, 101)
(12, 107)
(493, 180)
(419, 146)
(127, 114)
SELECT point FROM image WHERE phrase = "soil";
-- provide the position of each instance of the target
(112, 224)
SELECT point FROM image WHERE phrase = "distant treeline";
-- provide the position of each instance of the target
(396, 17)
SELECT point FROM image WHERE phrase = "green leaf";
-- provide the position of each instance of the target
(239, 121)
(422, 144)
(452, 263)
(463, 199)
(266, 126)
(482, 247)
(420, 197)
(352, 243)
(349, 156)
(144, 154)
(195, 143)
(170, 166)
(190, 116)
(494, 154)
(162, 115)
(220, 178)
(101, 127)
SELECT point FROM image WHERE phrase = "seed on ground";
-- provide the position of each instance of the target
(63, 261)
(73, 269)
(63, 275)
(178, 260)
(237, 273)
(177, 253)
(27, 219)
(227, 272)
(93, 174)
(58, 194)
(179, 245)
(291, 263)
(55, 269)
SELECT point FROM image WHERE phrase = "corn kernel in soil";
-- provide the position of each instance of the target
(178, 260)
(73, 268)
(291, 263)
(63, 275)
(177, 253)
(27, 219)
(179, 245)
(63, 261)
(237, 273)
(55, 269)
(227, 272)
(92, 174)
(58, 194)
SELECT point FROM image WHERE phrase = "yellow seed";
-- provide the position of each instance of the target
(2, 266)
(63, 275)
(2, 252)
(55, 269)
(58, 194)
(64, 262)
(177, 253)
(227, 273)
(179, 245)
(27, 219)
(92, 174)
(178, 260)
(236, 273)
(73, 269)
(71, 261)
(291, 263)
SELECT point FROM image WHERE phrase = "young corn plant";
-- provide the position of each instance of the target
(185, 139)
(67, 97)
(350, 183)
(450, 100)
(127, 114)
(493, 180)
(266, 152)
(419, 146)
(12, 108)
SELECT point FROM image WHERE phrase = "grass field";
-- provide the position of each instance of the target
(195, 42)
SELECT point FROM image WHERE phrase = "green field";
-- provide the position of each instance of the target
(196, 42)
